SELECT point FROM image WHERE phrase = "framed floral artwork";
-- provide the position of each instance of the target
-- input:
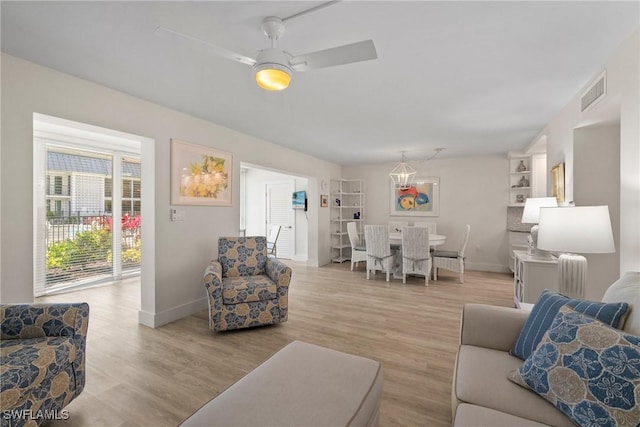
(557, 182)
(421, 197)
(200, 175)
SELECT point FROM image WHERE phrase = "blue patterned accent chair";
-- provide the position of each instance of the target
(245, 287)
(42, 360)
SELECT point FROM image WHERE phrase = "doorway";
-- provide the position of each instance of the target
(88, 198)
(266, 198)
(279, 213)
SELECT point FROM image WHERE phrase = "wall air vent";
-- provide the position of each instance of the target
(596, 92)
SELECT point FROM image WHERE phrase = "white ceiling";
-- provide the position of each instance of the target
(471, 77)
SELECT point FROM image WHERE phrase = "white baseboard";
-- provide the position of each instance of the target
(155, 320)
(482, 266)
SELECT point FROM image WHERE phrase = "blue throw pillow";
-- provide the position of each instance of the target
(589, 371)
(543, 312)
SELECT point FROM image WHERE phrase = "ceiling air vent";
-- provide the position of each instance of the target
(596, 92)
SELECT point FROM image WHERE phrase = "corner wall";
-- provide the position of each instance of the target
(621, 103)
(596, 156)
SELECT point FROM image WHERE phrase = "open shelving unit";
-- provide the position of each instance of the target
(347, 205)
(518, 192)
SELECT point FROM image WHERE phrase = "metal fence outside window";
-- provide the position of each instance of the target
(79, 245)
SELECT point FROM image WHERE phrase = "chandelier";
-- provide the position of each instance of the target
(402, 174)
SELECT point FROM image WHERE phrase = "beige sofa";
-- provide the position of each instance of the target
(482, 395)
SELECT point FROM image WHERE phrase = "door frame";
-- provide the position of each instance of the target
(252, 188)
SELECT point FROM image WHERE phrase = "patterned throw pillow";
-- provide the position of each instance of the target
(588, 370)
(546, 308)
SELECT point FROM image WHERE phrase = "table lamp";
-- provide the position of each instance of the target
(572, 231)
(531, 215)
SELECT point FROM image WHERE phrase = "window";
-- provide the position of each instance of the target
(80, 243)
(57, 185)
(108, 186)
(130, 197)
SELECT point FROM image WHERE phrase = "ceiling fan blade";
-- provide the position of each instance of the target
(169, 34)
(354, 52)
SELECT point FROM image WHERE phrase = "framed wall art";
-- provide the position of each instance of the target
(421, 197)
(557, 182)
(200, 175)
(324, 201)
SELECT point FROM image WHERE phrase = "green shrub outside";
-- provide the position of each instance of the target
(87, 247)
(133, 255)
(59, 255)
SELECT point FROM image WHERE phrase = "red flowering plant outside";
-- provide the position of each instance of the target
(104, 222)
(86, 246)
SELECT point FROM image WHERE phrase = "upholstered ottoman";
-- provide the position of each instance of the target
(301, 385)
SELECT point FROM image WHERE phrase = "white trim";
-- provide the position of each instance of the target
(55, 127)
(148, 230)
(95, 138)
(39, 216)
(155, 320)
(116, 212)
(483, 266)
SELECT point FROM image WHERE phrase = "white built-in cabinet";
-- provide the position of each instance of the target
(347, 205)
(519, 180)
(527, 177)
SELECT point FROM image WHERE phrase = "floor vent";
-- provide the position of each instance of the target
(596, 92)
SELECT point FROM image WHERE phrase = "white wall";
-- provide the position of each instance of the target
(302, 221)
(473, 190)
(596, 160)
(182, 249)
(622, 103)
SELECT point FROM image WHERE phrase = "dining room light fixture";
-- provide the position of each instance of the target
(572, 231)
(402, 174)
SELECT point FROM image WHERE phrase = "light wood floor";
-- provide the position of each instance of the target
(158, 377)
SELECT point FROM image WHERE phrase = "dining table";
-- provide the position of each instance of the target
(395, 239)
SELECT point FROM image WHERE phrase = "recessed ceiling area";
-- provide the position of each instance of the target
(474, 78)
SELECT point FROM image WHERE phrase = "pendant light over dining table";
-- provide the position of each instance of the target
(402, 174)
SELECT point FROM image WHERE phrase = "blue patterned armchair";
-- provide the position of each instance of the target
(245, 287)
(42, 355)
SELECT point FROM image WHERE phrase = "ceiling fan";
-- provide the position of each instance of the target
(273, 67)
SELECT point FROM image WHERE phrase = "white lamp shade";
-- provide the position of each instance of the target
(580, 230)
(532, 205)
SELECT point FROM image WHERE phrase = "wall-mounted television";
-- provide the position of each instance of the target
(299, 200)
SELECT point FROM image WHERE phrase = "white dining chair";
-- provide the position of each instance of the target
(396, 226)
(358, 250)
(432, 226)
(380, 257)
(451, 260)
(272, 238)
(416, 258)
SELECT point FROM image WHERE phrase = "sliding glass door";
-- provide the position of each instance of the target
(88, 229)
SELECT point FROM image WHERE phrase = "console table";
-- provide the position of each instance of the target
(531, 276)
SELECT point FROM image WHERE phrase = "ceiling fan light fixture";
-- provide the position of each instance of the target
(272, 69)
(272, 76)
